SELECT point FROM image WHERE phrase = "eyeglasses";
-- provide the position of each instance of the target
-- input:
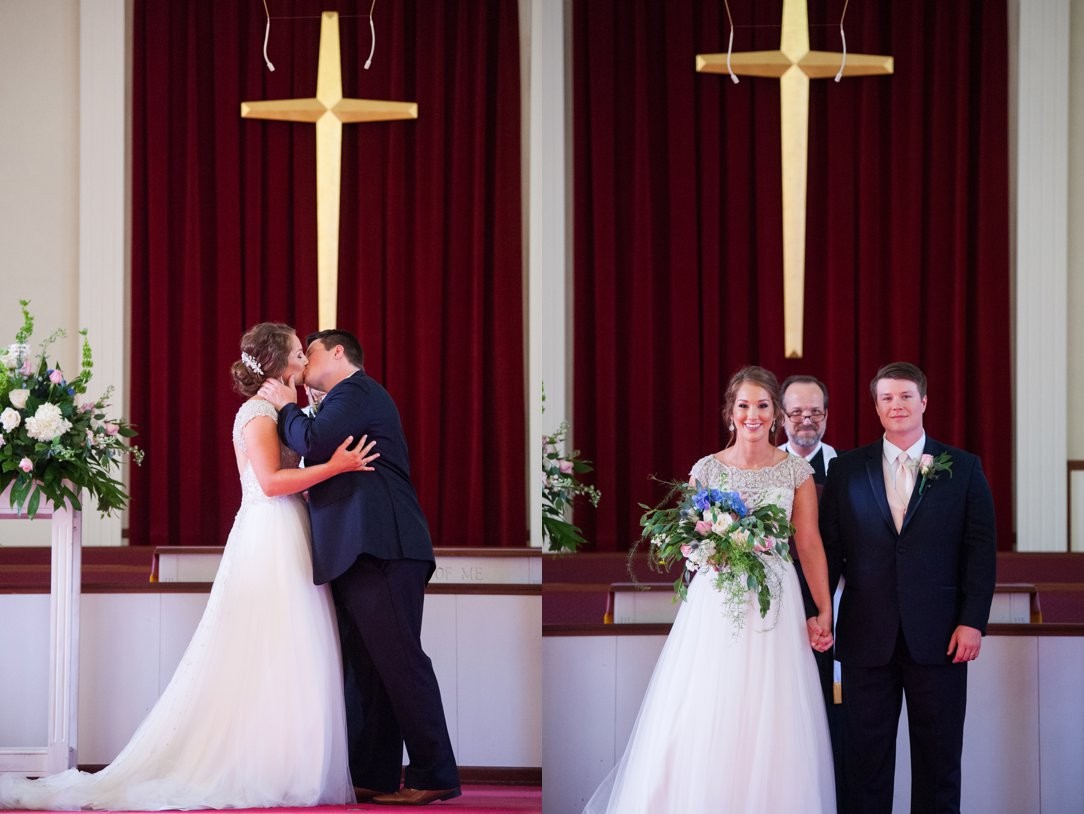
(815, 416)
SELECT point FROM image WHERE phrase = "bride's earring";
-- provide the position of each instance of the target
(773, 426)
(731, 427)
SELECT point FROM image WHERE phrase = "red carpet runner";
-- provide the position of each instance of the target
(474, 800)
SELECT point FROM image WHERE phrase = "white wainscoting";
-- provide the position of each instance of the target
(1023, 739)
(485, 647)
(454, 566)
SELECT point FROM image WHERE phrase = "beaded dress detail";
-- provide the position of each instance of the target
(253, 715)
(288, 459)
(733, 718)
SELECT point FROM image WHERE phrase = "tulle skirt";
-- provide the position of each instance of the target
(253, 716)
(733, 719)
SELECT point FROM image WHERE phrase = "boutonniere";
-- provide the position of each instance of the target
(930, 468)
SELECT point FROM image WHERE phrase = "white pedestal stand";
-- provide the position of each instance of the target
(59, 753)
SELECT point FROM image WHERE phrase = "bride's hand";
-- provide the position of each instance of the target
(820, 631)
(354, 460)
(314, 397)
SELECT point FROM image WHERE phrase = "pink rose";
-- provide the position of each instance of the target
(26, 465)
(56, 376)
(566, 467)
(685, 549)
(703, 527)
(111, 429)
(86, 406)
(925, 462)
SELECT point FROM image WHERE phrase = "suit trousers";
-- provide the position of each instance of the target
(826, 673)
(393, 696)
(936, 702)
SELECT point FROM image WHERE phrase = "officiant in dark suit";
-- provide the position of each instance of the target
(805, 419)
(909, 523)
(370, 540)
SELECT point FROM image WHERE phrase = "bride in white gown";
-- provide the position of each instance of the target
(253, 716)
(733, 719)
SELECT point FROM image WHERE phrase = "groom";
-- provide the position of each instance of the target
(371, 541)
(909, 523)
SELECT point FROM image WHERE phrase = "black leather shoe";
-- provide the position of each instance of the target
(415, 797)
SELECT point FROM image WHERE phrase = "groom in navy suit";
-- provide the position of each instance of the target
(371, 541)
(909, 522)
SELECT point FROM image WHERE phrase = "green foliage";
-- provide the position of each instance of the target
(51, 447)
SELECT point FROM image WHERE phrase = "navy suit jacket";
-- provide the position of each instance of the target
(354, 513)
(937, 572)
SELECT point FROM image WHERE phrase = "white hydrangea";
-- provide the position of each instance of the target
(10, 419)
(12, 356)
(47, 423)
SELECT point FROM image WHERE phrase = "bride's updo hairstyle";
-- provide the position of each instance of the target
(761, 377)
(265, 351)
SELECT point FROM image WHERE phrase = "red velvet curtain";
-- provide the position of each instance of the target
(430, 257)
(678, 259)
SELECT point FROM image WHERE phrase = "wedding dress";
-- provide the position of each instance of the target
(253, 716)
(733, 719)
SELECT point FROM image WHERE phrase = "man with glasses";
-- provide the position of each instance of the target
(805, 403)
(805, 408)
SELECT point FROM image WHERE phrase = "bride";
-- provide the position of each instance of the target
(733, 719)
(253, 716)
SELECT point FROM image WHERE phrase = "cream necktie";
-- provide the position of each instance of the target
(904, 485)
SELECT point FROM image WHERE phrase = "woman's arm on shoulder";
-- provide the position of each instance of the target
(263, 450)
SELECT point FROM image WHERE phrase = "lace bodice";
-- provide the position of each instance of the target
(250, 486)
(773, 484)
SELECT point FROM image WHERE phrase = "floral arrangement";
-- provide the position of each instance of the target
(52, 447)
(560, 488)
(715, 532)
(930, 468)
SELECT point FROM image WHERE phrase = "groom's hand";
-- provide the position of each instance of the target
(965, 644)
(277, 393)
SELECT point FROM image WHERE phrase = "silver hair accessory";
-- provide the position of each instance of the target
(251, 364)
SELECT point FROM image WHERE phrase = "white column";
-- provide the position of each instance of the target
(1039, 160)
(103, 213)
(548, 241)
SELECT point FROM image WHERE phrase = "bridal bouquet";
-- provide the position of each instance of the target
(715, 532)
(51, 445)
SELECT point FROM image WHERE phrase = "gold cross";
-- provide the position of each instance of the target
(329, 111)
(794, 65)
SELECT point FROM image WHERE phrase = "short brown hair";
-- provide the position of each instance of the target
(351, 346)
(900, 370)
(268, 343)
(762, 377)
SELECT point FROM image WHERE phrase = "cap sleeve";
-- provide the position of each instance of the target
(253, 408)
(800, 470)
